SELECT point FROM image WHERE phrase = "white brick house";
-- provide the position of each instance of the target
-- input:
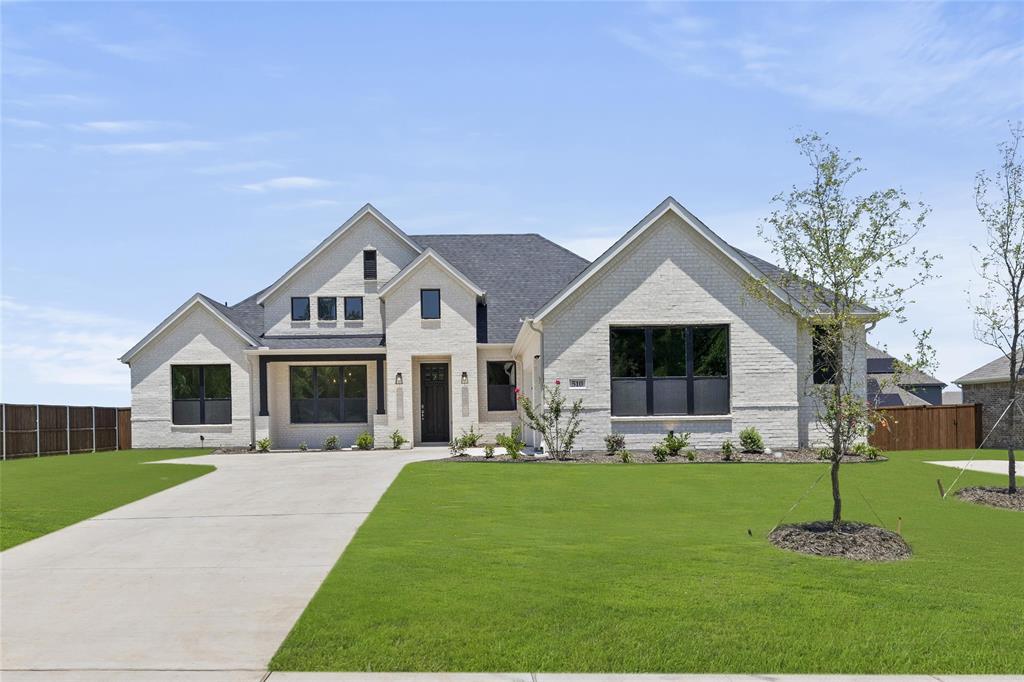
(379, 331)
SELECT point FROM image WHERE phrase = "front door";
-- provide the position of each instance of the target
(434, 403)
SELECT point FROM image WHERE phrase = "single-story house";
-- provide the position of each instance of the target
(989, 385)
(911, 387)
(379, 331)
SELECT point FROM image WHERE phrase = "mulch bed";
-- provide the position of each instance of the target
(993, 497)
(646, 457)
(857, 541)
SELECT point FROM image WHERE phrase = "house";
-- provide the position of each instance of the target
(429, 335)
(910, 387)
(989, 386)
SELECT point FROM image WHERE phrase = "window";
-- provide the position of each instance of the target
(353, 307)
(430, 304)
(300, 307)
(669, 370)
(369, 264)
(823, 358)
(327, 308)
(200, 394)
(501, 386)
(328, 395)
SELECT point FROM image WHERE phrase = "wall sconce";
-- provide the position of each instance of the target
(465, 378)
(398, 379)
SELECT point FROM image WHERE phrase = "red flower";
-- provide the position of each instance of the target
(558, 382)
(517, 390)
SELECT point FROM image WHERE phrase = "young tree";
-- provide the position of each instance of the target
(848, 262)
(557, 425)
(1000, 307)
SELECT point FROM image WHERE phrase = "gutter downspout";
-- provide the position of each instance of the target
(538, 388)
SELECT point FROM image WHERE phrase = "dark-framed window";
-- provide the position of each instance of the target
(300, 308)
(430, 304)
(331, 394)
(669, 370)
(327, 308)
(353, 307)
(824, 359)
(501, 386)
(200, 394)
(369, 264)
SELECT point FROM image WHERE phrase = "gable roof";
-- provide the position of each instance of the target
(218, 310)
(992, 372)
(881, 363)
(368, 209)
(430, 255)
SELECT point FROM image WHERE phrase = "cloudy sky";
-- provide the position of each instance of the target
(152, 151)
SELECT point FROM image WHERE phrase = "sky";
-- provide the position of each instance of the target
(150, 151)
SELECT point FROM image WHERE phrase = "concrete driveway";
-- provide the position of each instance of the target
(988, 466)
(207, 576)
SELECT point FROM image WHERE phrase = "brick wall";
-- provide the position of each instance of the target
(994, 398)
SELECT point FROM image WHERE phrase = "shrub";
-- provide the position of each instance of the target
(867, 451)
(398, 440)
(751, 441)
(558, 429)
(675, 443)
(488, 451)
(365, 441)
(691, 455)
(660, 452)
(303, 446)
(470, 438)
(614, 442)
(263, 445)
(626, 456)
(457, 447)
(330, 443)
(513, 443)
(824, 453)
(728, 450)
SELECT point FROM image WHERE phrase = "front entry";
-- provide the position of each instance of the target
(434, 403)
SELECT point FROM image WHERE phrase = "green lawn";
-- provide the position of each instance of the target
(41, 495)
(472, 567)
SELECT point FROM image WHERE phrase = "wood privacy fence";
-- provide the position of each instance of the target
(928, 427)
(34, 430)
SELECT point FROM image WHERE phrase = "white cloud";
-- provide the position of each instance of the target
(117, 127)
(158, 44)
(151, 148)
(239, 167)
(286, 183)
(25, 123)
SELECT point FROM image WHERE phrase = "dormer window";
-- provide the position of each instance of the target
(369, 264)
(300, 308)
(327, 308)
(430, 304)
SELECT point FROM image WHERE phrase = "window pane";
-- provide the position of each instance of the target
(328, 411)
(353, 307)
(328, 382)
(185, 382)
(430, 304)
(670, 352)
(354, 377)
(501, 373)
(300, 308)
(670, 396)
(629, 397)
(710, 396)
(355, 410)
(627, 346)
(327, 308)
(185, 411)
(710, 351)
(823, 359)
(303, 411)
(218, 411)
(217, 383)
(302, 383)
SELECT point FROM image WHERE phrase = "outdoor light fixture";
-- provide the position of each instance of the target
(398, 379)
(465, 378)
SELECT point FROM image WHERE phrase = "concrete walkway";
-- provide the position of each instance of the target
(988, 466)
(205, 578)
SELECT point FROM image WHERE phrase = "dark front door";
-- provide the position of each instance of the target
(434, 403)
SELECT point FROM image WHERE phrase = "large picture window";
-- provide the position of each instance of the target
(501, 386)
(200, 394)
(669, 370)
(328, 395)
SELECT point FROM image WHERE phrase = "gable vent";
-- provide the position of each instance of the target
(369, 264)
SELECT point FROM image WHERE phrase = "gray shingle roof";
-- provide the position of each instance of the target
(882, 393)
(992, 372)
(345, 341)
(778, 276)
(881, 363)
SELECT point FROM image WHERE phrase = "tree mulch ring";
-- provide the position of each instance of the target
(857, 541)
(993, 497)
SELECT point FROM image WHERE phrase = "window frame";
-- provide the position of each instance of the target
(345, 416)
(511, 386)
(322, 299)
(362, 310)
(423, 313)
(369, 264)
(308, 311)
(649, 378)
(202, 399)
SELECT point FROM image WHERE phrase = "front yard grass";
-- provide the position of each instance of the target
(41, 495)
(650, 568)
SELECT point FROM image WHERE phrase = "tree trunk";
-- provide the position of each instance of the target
(837, 501)
(1010, 454)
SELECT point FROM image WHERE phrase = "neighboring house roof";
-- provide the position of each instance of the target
(881, 389)
(882, 393)
(994, 372)
(430, 255)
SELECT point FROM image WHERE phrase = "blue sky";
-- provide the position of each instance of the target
(154, 150)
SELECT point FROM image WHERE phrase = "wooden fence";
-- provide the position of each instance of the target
(928, 427)
(34, 430)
